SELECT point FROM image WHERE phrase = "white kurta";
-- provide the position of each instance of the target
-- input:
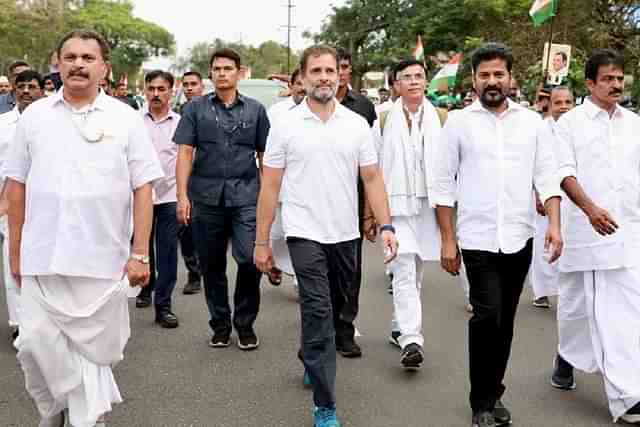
(599, 298)
(544, 276)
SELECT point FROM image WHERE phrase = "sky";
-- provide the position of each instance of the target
(249, 21)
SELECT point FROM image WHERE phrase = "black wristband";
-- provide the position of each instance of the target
(388, 227)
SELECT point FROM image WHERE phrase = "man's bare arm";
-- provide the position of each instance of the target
(184, 166)
(16, 193)
(600, 219)
(450, 254)
(142, 219)
(376, 193)
(267, 203)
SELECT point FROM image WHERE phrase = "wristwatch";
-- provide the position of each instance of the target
(144, 259)
(388, 227)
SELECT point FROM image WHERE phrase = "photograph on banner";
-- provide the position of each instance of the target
(558, 63)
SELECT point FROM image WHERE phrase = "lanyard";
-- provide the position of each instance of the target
(242, 124)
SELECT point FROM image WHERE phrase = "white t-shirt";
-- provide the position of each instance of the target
(78, 192)
(321, 162)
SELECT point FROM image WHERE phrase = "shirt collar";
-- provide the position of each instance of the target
(511, 107)
(240, 99)
(593, 110)
(171, 115)
(308, 114)
(100, 103)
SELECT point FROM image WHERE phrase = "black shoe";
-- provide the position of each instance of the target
(390, 288)
(167, 320)
(220, 339)
(349, 349)
(562, 377)
(632, 416)
(393, 338)
(412, 356)
(501, 415)
(143, 301)
(542, 302)
(248, 341)
(192, 287)
(14, 334)
(483, 419)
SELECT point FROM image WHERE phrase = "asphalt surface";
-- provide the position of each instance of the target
(172, 378)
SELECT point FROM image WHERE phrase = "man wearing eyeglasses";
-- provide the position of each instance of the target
(219, 137)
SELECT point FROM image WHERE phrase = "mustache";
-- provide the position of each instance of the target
(78, 73)
(615, 92)
(155, 99)
(489, 88)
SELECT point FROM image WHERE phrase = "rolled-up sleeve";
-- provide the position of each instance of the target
(446, 161)
(186, 132)
(142, 159)
(545, 171)
(565, 150)
(19, 158)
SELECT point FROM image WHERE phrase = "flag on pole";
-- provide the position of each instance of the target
(418, 51)
(445, 79)
(541, 10)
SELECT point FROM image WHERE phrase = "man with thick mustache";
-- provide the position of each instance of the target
(498, 152)
(80, 168)
(29, 88)
(320, 141)
(599, 283)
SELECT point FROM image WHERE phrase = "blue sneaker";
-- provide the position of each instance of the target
(306, 380)
(325, 417)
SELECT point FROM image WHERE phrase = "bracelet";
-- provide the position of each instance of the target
(387, 227)
(263, 243)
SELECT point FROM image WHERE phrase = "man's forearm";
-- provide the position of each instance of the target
(267, 202)
(577, 195)
(552, 209)
(377, 197)
(142, 219)
(444, 216)
(16, 193)
(184, 165)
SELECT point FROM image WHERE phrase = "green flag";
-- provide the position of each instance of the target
(541, 10)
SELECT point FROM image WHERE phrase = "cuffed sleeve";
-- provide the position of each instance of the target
(545, 170)
(446, 161)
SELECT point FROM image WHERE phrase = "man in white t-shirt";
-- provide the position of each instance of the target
(316, 154)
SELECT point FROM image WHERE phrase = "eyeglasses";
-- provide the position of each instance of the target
(412, 77)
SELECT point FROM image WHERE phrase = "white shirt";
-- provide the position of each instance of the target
(603, 154)
(161, 134)
(497, 159)
(8, 124)
(277, 109)
(321, 162)
(79, 193)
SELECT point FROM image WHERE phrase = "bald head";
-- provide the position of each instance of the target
(561, 101)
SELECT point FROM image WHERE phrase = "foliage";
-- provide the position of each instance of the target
(32, 32)
(268, 58)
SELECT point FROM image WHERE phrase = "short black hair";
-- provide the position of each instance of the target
(383, 89)
(343, 55)
(602, 58)
(491, 51)
(391, 75)
(159, 74)
(29, 75)
(294, 76)
(192, 73)
(105, 49)
(16, 64)
(226, 53)
(406, 63)
(563, 54)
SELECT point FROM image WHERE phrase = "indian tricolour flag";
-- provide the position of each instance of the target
(418, 51)
(541, 10)
(446, 77)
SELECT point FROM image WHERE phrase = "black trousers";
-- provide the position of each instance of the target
(188, 250)
(213, 228)
(320, 269)
(495, 281)
(345, 301)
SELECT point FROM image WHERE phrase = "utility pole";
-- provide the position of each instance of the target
(289, 7)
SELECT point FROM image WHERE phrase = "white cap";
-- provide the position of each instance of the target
(4, 79)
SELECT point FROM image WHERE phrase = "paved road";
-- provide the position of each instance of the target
(172, 378)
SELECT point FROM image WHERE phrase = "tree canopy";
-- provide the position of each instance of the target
(32, 31)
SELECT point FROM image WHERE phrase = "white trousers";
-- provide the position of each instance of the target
(407, 270)
(599, 330)
(543, 276)
(73, 330)
(10, 285)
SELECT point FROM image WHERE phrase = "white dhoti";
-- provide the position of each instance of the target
(543, 276)
(10, 285)
(419, 241)
(281, 257)
(599, 330)
(72, 331)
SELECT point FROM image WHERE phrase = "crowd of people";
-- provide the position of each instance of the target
(92, 188)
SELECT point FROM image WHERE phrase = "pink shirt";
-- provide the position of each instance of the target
(161, 133)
